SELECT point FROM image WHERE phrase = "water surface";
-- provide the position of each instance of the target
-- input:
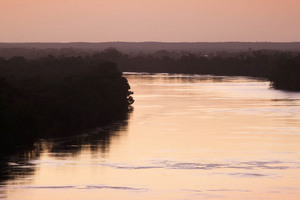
(188, 137)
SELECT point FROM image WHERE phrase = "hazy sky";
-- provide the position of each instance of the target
(149, 20)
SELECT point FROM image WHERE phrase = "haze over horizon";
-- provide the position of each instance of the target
(145, 20)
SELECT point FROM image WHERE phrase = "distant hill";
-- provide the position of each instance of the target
(154, 46)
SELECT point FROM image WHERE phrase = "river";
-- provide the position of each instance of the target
(187, 137)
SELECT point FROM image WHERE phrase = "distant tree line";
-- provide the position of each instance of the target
(35, 53)
(281, 68)
(58, 96)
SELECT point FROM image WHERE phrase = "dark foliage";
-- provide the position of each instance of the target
(281, 68)
(285, 73)
(58, 96)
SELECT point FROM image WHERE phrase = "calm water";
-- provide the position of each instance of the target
(188, 137)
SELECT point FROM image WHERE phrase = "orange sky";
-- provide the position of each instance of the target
(149, 20)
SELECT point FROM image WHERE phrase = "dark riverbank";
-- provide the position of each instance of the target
(58, 96)
(281, 68)
(279, 64)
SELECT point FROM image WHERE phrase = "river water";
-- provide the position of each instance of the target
(187, 137)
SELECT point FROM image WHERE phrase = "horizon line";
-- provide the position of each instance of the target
(155, 42)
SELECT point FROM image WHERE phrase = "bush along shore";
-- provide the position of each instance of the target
(58, 96)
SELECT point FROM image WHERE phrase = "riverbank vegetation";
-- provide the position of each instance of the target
(281, 68)
(59, 95)
(54, 96)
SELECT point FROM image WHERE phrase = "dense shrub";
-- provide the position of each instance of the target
(55, 96)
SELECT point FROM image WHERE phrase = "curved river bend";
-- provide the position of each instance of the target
(188, 137)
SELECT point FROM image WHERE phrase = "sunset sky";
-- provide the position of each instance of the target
(149, 20)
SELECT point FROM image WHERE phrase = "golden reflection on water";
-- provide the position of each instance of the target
(188, 137)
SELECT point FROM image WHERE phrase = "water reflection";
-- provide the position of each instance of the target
(189, 137)
(188, 78)
(95, 141)
(19, 166)
(16, 166)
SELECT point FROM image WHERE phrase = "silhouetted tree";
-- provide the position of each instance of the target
(58, 96)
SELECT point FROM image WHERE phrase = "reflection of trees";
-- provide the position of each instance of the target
(97, 140)
(179, 78)
(18, 165)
